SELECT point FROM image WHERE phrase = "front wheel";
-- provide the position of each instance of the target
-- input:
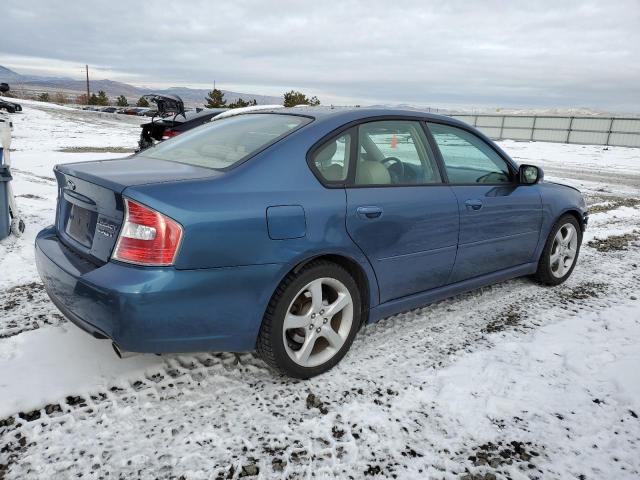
(311, 320)
(560, 253)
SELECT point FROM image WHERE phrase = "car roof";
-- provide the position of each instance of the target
(350, 114)
(330, 118)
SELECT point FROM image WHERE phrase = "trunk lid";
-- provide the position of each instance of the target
(90, 208)
(121, 173)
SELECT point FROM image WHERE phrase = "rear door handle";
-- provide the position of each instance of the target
(369, 212)
(473, 204)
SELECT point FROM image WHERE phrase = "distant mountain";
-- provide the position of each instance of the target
(190, 96)
(6, 74)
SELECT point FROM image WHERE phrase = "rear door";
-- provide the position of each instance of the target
(500, 220)
(399, 212)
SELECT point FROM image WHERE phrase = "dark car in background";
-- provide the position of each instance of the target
(133, 110)
(162, 129)
(172, 119)
(10, 107)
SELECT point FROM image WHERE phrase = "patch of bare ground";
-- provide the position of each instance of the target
(613, 204)
(614, 242)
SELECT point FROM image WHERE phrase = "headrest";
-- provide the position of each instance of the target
(326, 154)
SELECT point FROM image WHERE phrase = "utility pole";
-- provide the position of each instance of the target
(87, 69)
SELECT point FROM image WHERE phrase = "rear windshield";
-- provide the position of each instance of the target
(224, 143)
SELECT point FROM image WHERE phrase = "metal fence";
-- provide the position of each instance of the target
(618, 131)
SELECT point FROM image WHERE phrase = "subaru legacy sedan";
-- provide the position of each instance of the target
(285, 231)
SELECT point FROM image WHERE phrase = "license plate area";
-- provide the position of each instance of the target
(81, 225)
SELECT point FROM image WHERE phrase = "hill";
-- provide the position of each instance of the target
(191, 96)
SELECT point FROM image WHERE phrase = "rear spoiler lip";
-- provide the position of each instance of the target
(160, 172)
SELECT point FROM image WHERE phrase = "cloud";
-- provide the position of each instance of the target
(499, 53)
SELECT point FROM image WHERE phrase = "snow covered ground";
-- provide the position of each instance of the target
(512, 381)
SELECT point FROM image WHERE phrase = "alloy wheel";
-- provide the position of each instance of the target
(318, 322)
(564, 250)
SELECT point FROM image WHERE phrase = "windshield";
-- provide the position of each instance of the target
(224, 143)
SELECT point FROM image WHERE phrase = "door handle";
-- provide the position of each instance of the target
(473, 204)
(369, 212)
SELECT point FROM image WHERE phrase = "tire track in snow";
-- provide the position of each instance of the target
(219, 410)
(215, 413)
(26, 307)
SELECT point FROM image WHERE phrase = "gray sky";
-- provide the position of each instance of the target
(475, 53)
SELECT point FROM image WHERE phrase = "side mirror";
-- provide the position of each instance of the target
(530, 174)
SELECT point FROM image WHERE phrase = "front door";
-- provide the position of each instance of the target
(399, 211)
(500, 220)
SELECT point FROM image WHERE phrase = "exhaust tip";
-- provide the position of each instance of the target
(121, 353)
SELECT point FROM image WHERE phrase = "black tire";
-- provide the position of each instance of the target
(270, 343)
(544, 273)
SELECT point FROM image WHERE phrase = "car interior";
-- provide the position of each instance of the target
(394, 152)
(397, 153)
(390, 153)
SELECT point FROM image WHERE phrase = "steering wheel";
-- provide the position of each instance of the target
(395, 167)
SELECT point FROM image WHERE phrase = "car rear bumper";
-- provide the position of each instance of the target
(157, 309)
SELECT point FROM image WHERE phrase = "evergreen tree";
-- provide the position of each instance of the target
(239, 103)
(215, 99)
(142, 102)
(43, 97)
(102, 98)
(93, 99)
(121, 101)
(293, 98)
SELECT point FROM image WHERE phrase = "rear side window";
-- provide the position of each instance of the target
(332, 159)
(225, 143)
(467, 158)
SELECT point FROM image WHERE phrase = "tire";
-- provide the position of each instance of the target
(550, 270)
(300, 336)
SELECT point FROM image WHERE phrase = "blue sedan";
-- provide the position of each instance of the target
(285, 231)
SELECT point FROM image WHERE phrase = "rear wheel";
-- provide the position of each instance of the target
(311, 320)
(560, 253)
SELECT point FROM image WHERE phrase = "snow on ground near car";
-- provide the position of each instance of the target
(39, 135)
(514, 380)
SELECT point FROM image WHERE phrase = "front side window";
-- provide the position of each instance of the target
(332, 159)
(467, 158)
(394, 152)
(224, 143)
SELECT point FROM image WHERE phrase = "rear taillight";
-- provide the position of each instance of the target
(169, 134)
(147, 237)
